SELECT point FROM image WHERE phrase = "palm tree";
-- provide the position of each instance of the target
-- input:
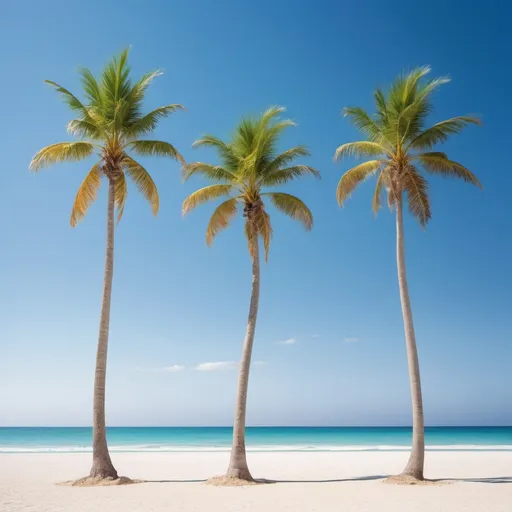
(109, 125)
(399, 143)
(249, 162)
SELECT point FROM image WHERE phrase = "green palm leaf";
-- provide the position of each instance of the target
(441, 131)
(72, 101)
(360, 118)
(286, 158)
(92, 89)
(212, 172)
(148, 123)
(282, 176)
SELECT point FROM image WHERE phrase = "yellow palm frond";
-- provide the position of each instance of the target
(204, 195)
(416, 187)
(61, 152)
(86, 195)
(220, 219)
(212, 172)
(155, 148)
(353, 177)
(438, 163)
(360, 149)
(376, 203)
(292, 207)
(143, 182)
(120, 195)
(260, 226)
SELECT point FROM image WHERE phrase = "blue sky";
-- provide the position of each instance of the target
(333, 290)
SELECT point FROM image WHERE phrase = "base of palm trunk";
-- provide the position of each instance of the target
(98, 481)
(405, 479)
(234, 477)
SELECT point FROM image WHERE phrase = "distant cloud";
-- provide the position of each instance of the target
(216, 366)
(351, 340)
(290, 341)
(174, 368)
(315, 336)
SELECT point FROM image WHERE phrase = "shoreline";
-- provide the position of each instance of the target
(253, 449)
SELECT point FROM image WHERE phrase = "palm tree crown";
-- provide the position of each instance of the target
(396, 139)
(109, 124)
(250, 162)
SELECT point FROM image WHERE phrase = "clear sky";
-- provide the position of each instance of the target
(332, 291)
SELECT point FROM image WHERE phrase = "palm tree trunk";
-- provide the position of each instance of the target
(102, 466)
(238, 462)
(416, 462)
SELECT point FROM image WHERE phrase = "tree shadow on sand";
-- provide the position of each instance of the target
(490, 480)
(270, 481)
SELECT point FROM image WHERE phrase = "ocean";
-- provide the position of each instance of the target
(270, 439)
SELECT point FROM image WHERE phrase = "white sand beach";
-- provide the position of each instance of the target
(319, 481)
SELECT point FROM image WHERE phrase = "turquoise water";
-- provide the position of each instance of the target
(154, 439)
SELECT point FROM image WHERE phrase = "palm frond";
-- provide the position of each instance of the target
(376, 201)
(85, 129)
(289, 173)
(285, 158)
(61, 152)
(360, 118)
(355, 176)
(212, 172)
(91, 88)
(139, 89)
(292, 207)
(221, 218)
(438, 163)
(71, 100)
(263, 229)
(441, 131)
(270, 113)
(359, 149)
(86, 195)
(416, 187)
(148, 123)
(143, 182)
(230, 160)
(121, 191)
(155, 148)
(382, 108)
(204, 195)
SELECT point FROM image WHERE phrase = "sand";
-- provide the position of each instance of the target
(312, 482)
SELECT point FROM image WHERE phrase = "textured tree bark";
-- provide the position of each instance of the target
(414, 467)
(238, 461)
(101, 464)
